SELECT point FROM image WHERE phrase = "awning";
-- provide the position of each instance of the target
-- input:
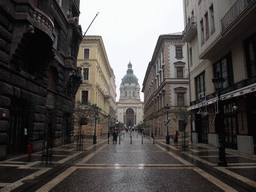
(239, 92)
(203, 103)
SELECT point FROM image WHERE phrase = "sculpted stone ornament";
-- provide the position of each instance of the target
(30, 29)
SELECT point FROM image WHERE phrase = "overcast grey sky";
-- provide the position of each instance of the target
(130, 29)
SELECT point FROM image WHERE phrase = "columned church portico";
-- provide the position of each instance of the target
(129, 106)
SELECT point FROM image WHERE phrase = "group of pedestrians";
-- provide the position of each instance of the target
(176, 136)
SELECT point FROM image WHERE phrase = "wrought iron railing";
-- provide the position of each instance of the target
(190, 23)
(233, 12)
(233, 87)
(239, 85)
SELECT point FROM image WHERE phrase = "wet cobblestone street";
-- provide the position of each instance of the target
(140, 166)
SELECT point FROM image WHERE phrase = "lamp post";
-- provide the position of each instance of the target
(152, 117)
(109, 124)
(96, 115)
(167, 122)
(218, 82)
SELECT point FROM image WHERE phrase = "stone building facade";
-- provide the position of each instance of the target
(38, 74)
(221, 45)
(130, 107)
(166, 83)
(97, 75)
(112, 100)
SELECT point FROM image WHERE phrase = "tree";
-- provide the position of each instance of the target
(88, 112)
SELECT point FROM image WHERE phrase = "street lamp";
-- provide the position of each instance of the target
(167, 108)
(218, 82)
(109, 124)
(152, 117)
(96, 115)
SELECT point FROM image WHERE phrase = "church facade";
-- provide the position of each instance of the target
(130, 107)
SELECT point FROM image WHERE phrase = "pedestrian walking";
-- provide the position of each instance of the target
(114, 137)
(176, 136)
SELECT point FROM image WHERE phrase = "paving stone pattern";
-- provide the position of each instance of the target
(140, 166)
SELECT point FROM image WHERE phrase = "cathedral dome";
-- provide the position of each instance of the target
(129, 78)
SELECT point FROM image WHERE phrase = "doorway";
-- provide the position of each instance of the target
(129, 117)
(19, 128)
(202, 128)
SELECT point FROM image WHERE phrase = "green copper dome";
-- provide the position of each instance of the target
(129, 78)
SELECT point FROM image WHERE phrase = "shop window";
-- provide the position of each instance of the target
(230, 125)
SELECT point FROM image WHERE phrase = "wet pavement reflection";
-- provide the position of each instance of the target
(132, 165)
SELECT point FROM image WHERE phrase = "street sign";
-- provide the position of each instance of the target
(167, 122)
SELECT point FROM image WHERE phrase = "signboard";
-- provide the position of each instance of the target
(167, 122)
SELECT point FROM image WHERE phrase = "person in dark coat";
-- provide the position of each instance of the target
(114, 137)
(176, 136)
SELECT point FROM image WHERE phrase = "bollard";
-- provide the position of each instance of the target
(153, 140)
(142, 140)
(131, 139)
(119, 138)
(29, 150)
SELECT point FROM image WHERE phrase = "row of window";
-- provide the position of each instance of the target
(205, 24)
(98, 99)
(180, 100)
(130, 93)
(224, 67)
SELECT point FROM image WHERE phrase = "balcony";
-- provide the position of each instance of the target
(36, 17)
(238, 21)
(190, 30)
(239, 85)
(234, 12)
(243, 87)
(106, 95)
(43, 20)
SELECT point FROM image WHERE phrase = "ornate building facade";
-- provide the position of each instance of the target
(166, 83)
(112, 100)
(129, 106)
(38, 73)
(97, 84)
